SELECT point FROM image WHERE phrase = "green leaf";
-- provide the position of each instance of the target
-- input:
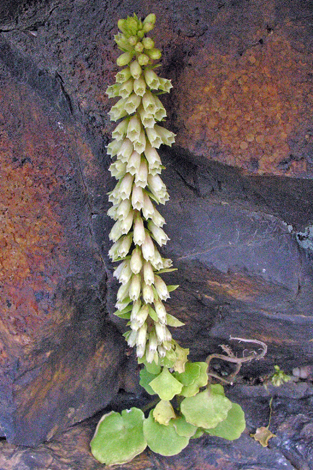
(165, 385)
(162, 439)
(183, 428)
(119, 314)
(181, 358)
(152, 367)
(145, 379)
(232, 427)
(163, 412)
(217, 389)
(167, 270)
(205, 409)
(119, 437)
(153, 315)
(169, 360)
(198, 433)
(173, 321)
(194, 377)
(172, 288)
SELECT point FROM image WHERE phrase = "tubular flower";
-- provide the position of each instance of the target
(137, 232)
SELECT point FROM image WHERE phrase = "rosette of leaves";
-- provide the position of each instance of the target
(138, 231)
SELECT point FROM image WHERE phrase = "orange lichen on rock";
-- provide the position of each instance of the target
(250, 110)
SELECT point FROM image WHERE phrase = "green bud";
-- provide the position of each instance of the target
(143, 59)
(148, 43)
(133, 40)
(151, 18)
(154, 53)
(124, 59)
(139, 47)
(141, 33)
(148, 27)
(135, 69)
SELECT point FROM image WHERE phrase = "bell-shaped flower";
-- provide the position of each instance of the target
(118, 270)
(141, 176)
(137, 198)
(139, 231)
(127, 223)
(153, 341)
(167, 263)
(147, 294)
(134, 128)
(135, 70)
(113, 147)
(160, 332)
(161, 288)
(126, 186)
(117, 169)
(125, 274)
(139, 319)
(120, 130)
(132, 103)
(113, 90)
(123, 291)
(150, 354)
(158, 234)
(158, 188)
(135, 287)
(148, 274)
(165, 85)
(123, 209)
(160, 113)
(147, 119)
(127, 88)
(112, 212)
(148, 248)
(142, 335)
(157, 218)
(160, 311)
(153, 159)
(152, 79)
(154, 138)
(149, 103)
(156, 261)
(125, 151)
(118, 110)
(123, 248)
(140, 144)
(123, 75)
(168, 137)
(136, 307)
(132, 339)
(136, 260)
(148, 208)
(140, 86)
(116, 231)
(133, 163)
(161, 351)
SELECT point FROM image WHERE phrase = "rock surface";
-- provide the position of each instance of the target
(240, 215)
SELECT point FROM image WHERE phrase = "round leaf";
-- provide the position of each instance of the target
(162, 439)
(119, 437)
(205, 409)
(165, 385)
(194, 377)
(183, 428)
(233, 426)
(145, 379)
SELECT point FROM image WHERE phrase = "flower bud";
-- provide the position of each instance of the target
(124, 59)
(123, 75)
(142, 335)
(148, 27)
(139, 231)
(151, 18)
(148, 208)
(148, 43)
(125, 274)
(154, 54)
(147, 294)
(156, 261)
(152, 79)
(133, 163)
(158, 234)
(132, 103)
(160, 332)
(141, 33)
(135, 309)
(143, 59)
(122, 293)
(126, 88)
(135, 69)
(133, 40)
(140, 86)
(148, 273)
(132, 339)
(148, 248)
(116, 231)
(124, 247)
(136, 261)
(118, 270)
(146, 118)
(135, 287)
(139, 48)
(157, 218)
(127, 223)
(141, 316)
(161, 288)
(137, 198)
